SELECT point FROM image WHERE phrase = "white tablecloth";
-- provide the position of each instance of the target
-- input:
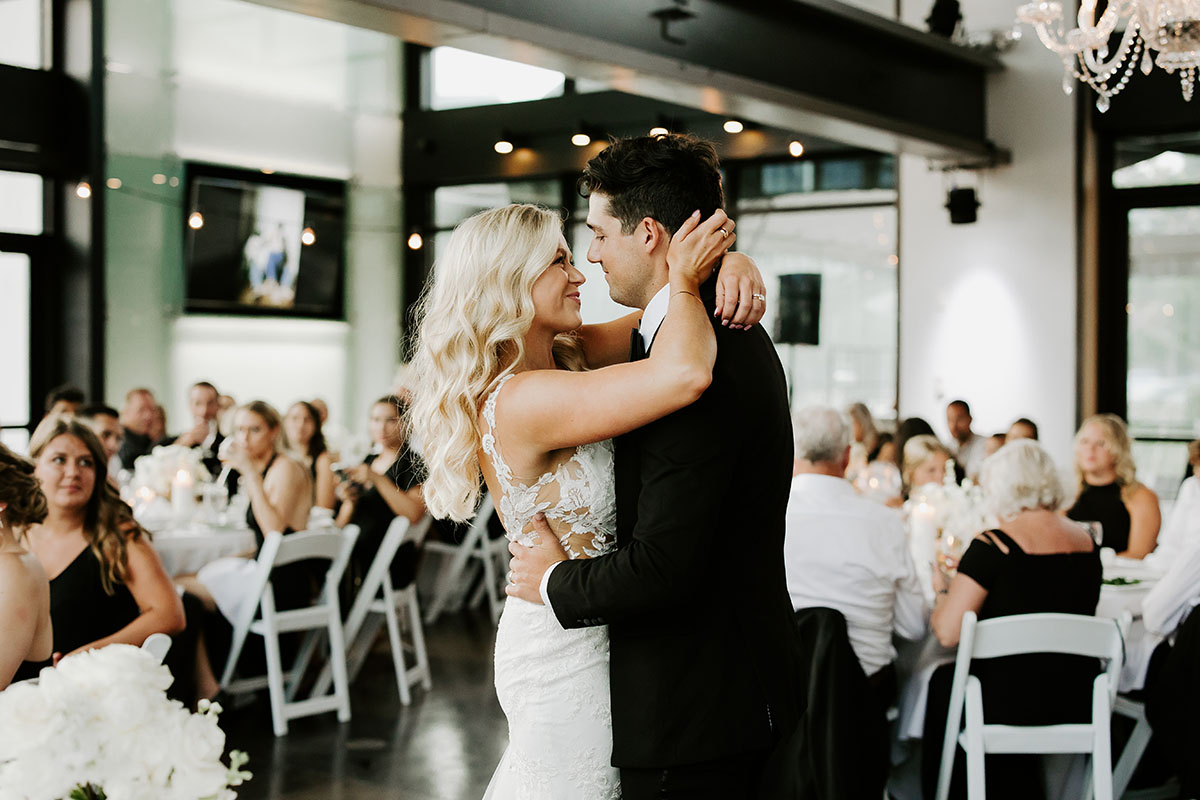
(185, 551)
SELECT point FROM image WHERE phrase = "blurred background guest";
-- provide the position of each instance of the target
(138, 420)
(107, 584)
(1182, 527)
(907, 429)
(205, 432)
(25, 627)
(924, 462)
(885, 449)
(1037, 562)
(158, 426)
(386, 485)
(1023, 428)
(302, 424)
(864, 438)
(65, 399)
(1109, 491)
(994, 443)
(844, 552)
(969, 447)
(106, 423)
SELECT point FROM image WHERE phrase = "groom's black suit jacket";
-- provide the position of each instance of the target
(700, 623)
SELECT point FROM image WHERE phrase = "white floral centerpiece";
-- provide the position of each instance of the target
(169, 471)
(946, 516)
(101, 726)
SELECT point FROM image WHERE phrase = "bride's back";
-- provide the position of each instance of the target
(575, 491)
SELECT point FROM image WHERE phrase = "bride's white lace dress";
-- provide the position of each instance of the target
(553, 683)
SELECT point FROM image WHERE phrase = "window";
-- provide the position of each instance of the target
(1157, 161)
(14, 332)
(21, 33)
(460, 79)
(20, 201)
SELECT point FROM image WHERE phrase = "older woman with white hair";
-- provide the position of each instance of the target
(1037, 561)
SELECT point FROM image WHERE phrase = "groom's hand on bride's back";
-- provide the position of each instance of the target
(530, 562)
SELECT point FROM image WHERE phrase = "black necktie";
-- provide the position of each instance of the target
(637, 347)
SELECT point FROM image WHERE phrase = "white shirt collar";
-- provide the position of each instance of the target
(655, 313)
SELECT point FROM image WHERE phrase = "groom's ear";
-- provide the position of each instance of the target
(652, 235)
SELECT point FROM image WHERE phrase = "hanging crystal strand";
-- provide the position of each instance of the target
(1147, 62)
(1068, 84)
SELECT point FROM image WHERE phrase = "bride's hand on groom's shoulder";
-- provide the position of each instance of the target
(741, 293)
(530, 562)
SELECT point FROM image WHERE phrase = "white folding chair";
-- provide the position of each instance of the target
(377, 603)
(451, 587)
(324, 615)
(158, 645)
(1132, 754)
(1031, 633)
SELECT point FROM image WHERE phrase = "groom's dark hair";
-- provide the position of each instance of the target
(664, 177)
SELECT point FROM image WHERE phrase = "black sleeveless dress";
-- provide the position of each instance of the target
(81, 611)
(1103, 504)
(1032, 689)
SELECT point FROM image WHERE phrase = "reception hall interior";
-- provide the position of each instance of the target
(978, 227)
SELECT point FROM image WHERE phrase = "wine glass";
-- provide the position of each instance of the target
(1095, 529)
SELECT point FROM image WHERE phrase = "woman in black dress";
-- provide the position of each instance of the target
(1109, 491)
(25, 628)
(385, 486)
(107, 585)
(1039, 562)
(302, 424)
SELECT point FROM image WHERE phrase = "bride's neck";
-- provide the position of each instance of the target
(539, 351)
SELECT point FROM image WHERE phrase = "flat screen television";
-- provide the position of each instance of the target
(263, 244)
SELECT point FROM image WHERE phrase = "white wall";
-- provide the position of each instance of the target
(238, 84)
(987, 311)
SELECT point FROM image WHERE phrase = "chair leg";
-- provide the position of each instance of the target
(418, 637)
(1130, 756)
(1102, 772)
(393, 627)
(976, 776)
(337, 658)
(275, 681)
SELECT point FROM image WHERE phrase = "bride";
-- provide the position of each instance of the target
(508, 384)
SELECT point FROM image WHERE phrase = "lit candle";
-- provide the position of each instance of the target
(183, 499)
(923, 530)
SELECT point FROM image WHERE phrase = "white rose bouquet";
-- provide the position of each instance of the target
(956, 513)
(100, 726)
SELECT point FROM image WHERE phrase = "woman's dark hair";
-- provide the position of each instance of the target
(20, 491)
(399, 403)
(664, 177)
(1030, 424)
(108, 523)
(316, 445)
(881, 439)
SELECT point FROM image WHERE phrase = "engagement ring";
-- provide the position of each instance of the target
(509, 577)
(762, 297)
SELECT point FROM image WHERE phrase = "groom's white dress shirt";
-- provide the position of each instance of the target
(652, 318)
(848, 553)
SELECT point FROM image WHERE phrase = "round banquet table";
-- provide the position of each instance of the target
(184, 550)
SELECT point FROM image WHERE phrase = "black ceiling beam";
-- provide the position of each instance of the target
(817, 67)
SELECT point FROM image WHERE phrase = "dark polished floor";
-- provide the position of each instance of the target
(442, 747)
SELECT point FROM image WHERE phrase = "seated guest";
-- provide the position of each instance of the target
(968, 445)
(845, 552)
(907, 429)
(924, 462)
(1182, 528)
(863, 440)
(1038, 562)
(885, 449)
(25, 632)
(106, 424)
(107, 584)
(137, 420)
(1024, 428)
(158, 426)
(1109, 491)
(994, 443)
(302, 424)
(65, 399)
(204, 433)
(280, 493)
(386, 485)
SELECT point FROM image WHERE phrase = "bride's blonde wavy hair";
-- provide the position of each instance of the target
(472, 319)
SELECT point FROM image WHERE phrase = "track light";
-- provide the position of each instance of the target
(658, 130)
(581, 140)
(796, 148)
(503, 146)
(734, 126)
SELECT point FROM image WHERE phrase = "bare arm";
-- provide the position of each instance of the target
(24, 617)
(409, 504)
(1144, 522)
(607, 343)
(277, 498)
(950, 603)
(155, 595)
(325, 481)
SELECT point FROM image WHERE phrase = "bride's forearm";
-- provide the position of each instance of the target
(607, 343)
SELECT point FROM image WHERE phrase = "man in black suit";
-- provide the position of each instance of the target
(695, 597)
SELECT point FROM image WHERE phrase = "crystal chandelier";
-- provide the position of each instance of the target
(1170, 28)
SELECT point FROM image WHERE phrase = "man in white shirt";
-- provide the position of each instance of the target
(970, 448)
(845, 552)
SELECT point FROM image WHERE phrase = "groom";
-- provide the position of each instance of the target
(695, 596)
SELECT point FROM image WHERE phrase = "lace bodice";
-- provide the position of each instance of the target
(578, 496)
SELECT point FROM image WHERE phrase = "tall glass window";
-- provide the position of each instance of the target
(21, 33)
(460, 79)
(14, 332)
(20, 202)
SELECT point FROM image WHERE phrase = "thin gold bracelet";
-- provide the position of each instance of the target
(685, 291)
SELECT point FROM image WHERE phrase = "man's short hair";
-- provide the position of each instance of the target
(664, 177)
(961, 404)
(1026, 421)
(67, 393)
(97, 410)
(819, 434)
(205, 385)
